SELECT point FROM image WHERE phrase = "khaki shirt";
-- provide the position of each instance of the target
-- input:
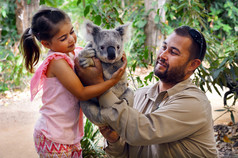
(174, 123)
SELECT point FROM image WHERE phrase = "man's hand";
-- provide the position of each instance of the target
(90, 75)
(109, 134)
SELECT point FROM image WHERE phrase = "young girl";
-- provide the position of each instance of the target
(60, 128)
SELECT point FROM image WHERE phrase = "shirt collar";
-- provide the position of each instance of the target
(152, 93)
(180, 87)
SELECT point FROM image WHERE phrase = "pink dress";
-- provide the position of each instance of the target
(61, 118)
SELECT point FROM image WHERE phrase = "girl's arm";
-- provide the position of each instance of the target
(61, 69)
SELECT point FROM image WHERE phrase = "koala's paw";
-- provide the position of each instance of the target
(85, 56)
(86, 62)
(87, 53)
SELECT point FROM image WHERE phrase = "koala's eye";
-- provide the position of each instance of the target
(102, 47)
(118, 47)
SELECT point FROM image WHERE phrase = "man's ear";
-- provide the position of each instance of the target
(45, 44)
(194, 64)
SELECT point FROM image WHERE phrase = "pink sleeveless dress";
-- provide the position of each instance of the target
(61, 119)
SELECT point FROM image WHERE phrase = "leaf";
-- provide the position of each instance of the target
(78, 2)
(157, 18)
(141, 23)
(217, 72)
(42, 2)
(232, 117)
(120, 20)
(115, 11)
(220, 110)
(216, 90)
(226, 28)
(208, 87)
(97, 20)
(86, 10)
(181, 7)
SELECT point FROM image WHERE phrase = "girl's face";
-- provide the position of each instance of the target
(64, 41)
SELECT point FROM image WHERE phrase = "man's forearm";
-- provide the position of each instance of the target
(117, 149)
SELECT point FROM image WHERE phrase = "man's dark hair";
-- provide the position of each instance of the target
(198, 46)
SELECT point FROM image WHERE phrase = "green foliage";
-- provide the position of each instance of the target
(218, 22)
(223, 18)
(90, 140)
(138, 51)
(106, 13)
(12, 73)
(11, 67)
(223, 70)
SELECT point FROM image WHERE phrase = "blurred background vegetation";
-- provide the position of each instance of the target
(152, 21)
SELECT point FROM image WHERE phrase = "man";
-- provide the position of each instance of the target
(171, 118)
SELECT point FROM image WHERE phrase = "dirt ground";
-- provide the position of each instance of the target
(18, 116)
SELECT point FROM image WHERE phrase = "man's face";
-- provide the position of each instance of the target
(173, 58)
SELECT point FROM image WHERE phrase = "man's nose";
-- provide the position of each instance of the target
(163, 54)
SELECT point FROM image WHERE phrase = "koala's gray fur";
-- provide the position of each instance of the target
(106, 45)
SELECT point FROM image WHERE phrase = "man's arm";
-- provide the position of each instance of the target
(114, 146)
(181, 118)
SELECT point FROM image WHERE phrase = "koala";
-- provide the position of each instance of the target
(107, 45)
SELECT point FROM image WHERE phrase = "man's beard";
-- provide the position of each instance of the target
(173, 76)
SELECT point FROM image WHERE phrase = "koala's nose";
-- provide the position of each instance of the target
(111, 53)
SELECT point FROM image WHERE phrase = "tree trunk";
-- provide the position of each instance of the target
(122, 3)
(24, 13)
(150, 29)
(160, 38)
(153, 35)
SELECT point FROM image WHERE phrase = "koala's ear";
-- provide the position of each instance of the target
(124, 30)
(89, 30)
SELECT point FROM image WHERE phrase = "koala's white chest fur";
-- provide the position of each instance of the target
(108, 70)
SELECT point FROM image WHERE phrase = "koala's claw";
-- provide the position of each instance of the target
(87, 53)
(86, 62)
(85, 56)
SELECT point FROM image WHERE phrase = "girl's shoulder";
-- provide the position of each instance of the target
(56, 56)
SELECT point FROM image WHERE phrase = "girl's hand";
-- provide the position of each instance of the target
(90, 75)
(119, 73)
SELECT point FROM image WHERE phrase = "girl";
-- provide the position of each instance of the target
(59, 130)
